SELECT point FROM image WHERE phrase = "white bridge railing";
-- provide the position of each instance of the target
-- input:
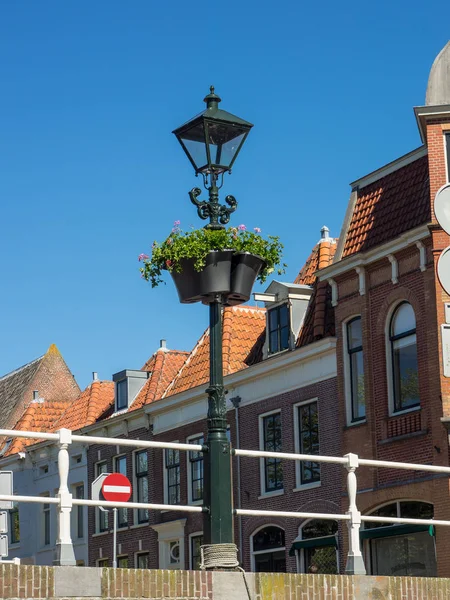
(350, 462)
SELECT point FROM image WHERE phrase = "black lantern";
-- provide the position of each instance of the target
(212, 140)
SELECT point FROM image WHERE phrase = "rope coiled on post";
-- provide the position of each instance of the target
(219, 556)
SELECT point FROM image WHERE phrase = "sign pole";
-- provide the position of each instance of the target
(114, 538)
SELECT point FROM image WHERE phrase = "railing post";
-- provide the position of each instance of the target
(65, 555)
(355, 562)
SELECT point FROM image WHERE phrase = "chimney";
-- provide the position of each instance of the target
(94, 376)
(163, 345)
(35, 395)
(324, 234)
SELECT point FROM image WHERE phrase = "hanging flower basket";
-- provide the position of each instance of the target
(214, 278)
(206, 262)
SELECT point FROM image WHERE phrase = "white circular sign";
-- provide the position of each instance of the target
(442, 207)
(443, 269)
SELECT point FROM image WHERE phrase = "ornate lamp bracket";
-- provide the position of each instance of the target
(218, 214)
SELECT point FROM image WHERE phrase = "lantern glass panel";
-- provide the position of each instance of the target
(194, 142)
(224, 142)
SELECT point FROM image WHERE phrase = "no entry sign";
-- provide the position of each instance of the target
(116, 488)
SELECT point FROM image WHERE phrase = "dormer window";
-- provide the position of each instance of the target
(128, 385)
(122, 394)
(279, 327)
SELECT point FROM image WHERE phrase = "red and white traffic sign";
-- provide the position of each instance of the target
(116, 488)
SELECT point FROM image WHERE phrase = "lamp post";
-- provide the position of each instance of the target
(212, 141)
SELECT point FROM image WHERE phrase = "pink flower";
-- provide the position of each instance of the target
(142, 257)
(177, 223)
(257, 229)
(242, 227)
(168, 263)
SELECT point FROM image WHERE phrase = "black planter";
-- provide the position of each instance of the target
(225, 273)
(194, 286)
(244, 271)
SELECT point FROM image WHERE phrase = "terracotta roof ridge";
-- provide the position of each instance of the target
(247, 308)
(3, 377)
(188, 360)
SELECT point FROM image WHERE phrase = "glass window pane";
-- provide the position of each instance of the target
(406, 379)
(122, 395)
(404, 555)
(403, 320)
(284, 338)
(284, 315)
(321, 560)
(273, 319)
(142, 561)
(354, 333)
(357, 385)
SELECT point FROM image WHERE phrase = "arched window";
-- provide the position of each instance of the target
(355, 370)
(316, 547)
(403, 345)
(268, 550)
(403, 549)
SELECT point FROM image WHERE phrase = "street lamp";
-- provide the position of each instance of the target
(212, 140)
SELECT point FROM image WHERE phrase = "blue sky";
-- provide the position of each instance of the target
(90, 173)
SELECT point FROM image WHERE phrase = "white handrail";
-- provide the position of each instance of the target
(295, 515)
(291, 456)
(350, 461)
(103, 503)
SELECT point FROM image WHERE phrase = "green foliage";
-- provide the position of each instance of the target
(196, 245)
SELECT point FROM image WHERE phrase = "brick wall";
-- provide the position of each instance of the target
(49, 582)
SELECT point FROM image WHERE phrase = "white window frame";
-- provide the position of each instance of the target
(192, 535)
(253, 553)
(298, 485)
(140, 553)
(166, 480)
(136, 522)
(262, 473)
(347, 374)
(76, 512)
(46, 514)
(300, 555)
(97, 509)
(114, 458)
(116, 393)
(389, 370)
(291, 342)
(189, 471)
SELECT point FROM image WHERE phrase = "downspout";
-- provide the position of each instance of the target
(236, 402)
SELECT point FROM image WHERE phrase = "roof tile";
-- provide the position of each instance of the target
(390, 206)
(243, 336)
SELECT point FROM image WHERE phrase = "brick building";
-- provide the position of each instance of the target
(389, 308)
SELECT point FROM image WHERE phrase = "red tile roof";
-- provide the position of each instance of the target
(39, 416)
(89, 406)
(243, 334)
(319, 317)
(390, 206)
(164, 365)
